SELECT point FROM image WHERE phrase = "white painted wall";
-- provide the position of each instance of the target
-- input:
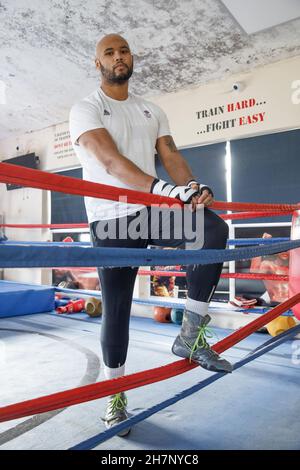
(25, 205)
(31, 206)
(270, 84)
(277, 86)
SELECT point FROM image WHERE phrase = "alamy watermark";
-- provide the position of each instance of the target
(296, 352)
(2, 353)
(2, 92)
(161, 224)
(295, 97)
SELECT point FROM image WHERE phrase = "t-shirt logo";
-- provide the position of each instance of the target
(106, 113)
(147, 114)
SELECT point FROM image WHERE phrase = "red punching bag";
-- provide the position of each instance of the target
(294, 267)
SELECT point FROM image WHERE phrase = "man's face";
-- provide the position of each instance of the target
(114, 60)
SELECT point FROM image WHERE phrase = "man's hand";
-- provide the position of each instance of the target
(205, 197)
(183, 193)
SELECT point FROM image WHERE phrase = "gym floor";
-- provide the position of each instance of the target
(256, 407)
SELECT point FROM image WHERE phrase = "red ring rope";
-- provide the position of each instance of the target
(236, 216)
(254, 215)
(250, 206)
(144, 272)
(259, 276)
(53, 226)
(110, 387)
(44, 180)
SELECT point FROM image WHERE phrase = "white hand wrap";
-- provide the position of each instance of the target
(202, 187)
(183, 193)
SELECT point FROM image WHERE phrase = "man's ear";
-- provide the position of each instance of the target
(97, 63)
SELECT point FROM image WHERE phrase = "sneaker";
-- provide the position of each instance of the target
(116, 412)
(191, 343)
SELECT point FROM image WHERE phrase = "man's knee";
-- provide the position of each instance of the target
(224, 228)
(216, 230)
(222, 231)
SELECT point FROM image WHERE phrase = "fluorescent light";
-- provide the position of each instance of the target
(257, 15)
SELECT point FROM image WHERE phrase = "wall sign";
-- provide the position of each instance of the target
(229, 115)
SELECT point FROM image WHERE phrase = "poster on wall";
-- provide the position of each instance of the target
(59, 153)
(62, 146)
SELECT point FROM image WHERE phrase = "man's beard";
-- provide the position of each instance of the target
(119, 79)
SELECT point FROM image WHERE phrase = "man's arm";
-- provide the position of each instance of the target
(256, 262)
(178, 169)
(100, 144)
(173, 162)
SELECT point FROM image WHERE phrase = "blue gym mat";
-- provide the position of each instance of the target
(23, 299)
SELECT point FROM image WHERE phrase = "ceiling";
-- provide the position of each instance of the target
(47, 50)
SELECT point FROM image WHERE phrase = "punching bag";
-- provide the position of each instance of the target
(294, 268)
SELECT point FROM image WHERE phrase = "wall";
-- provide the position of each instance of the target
(27, 205)
(269, 98)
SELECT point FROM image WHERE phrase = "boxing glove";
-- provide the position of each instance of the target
(72, 307)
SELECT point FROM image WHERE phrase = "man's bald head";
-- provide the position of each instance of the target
(114, 59)
(107, 41)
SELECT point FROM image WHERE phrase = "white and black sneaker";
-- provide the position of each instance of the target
(116, 412)
(191, 343)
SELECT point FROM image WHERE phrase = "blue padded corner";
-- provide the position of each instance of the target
(24, 299)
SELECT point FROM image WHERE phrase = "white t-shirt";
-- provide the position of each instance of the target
(134, 124)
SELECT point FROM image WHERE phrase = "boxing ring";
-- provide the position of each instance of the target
(222, 412)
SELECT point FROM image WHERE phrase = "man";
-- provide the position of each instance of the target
(277, 291)
(115, 135)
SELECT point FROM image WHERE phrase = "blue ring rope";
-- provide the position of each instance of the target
(35, 243)
(233, 241)
(12, 256)
(168, 302)
(256, 241)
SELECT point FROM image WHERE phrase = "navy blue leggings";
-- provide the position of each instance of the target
(117, 283)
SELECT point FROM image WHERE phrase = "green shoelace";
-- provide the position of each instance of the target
(118, 403)
(200, 342)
